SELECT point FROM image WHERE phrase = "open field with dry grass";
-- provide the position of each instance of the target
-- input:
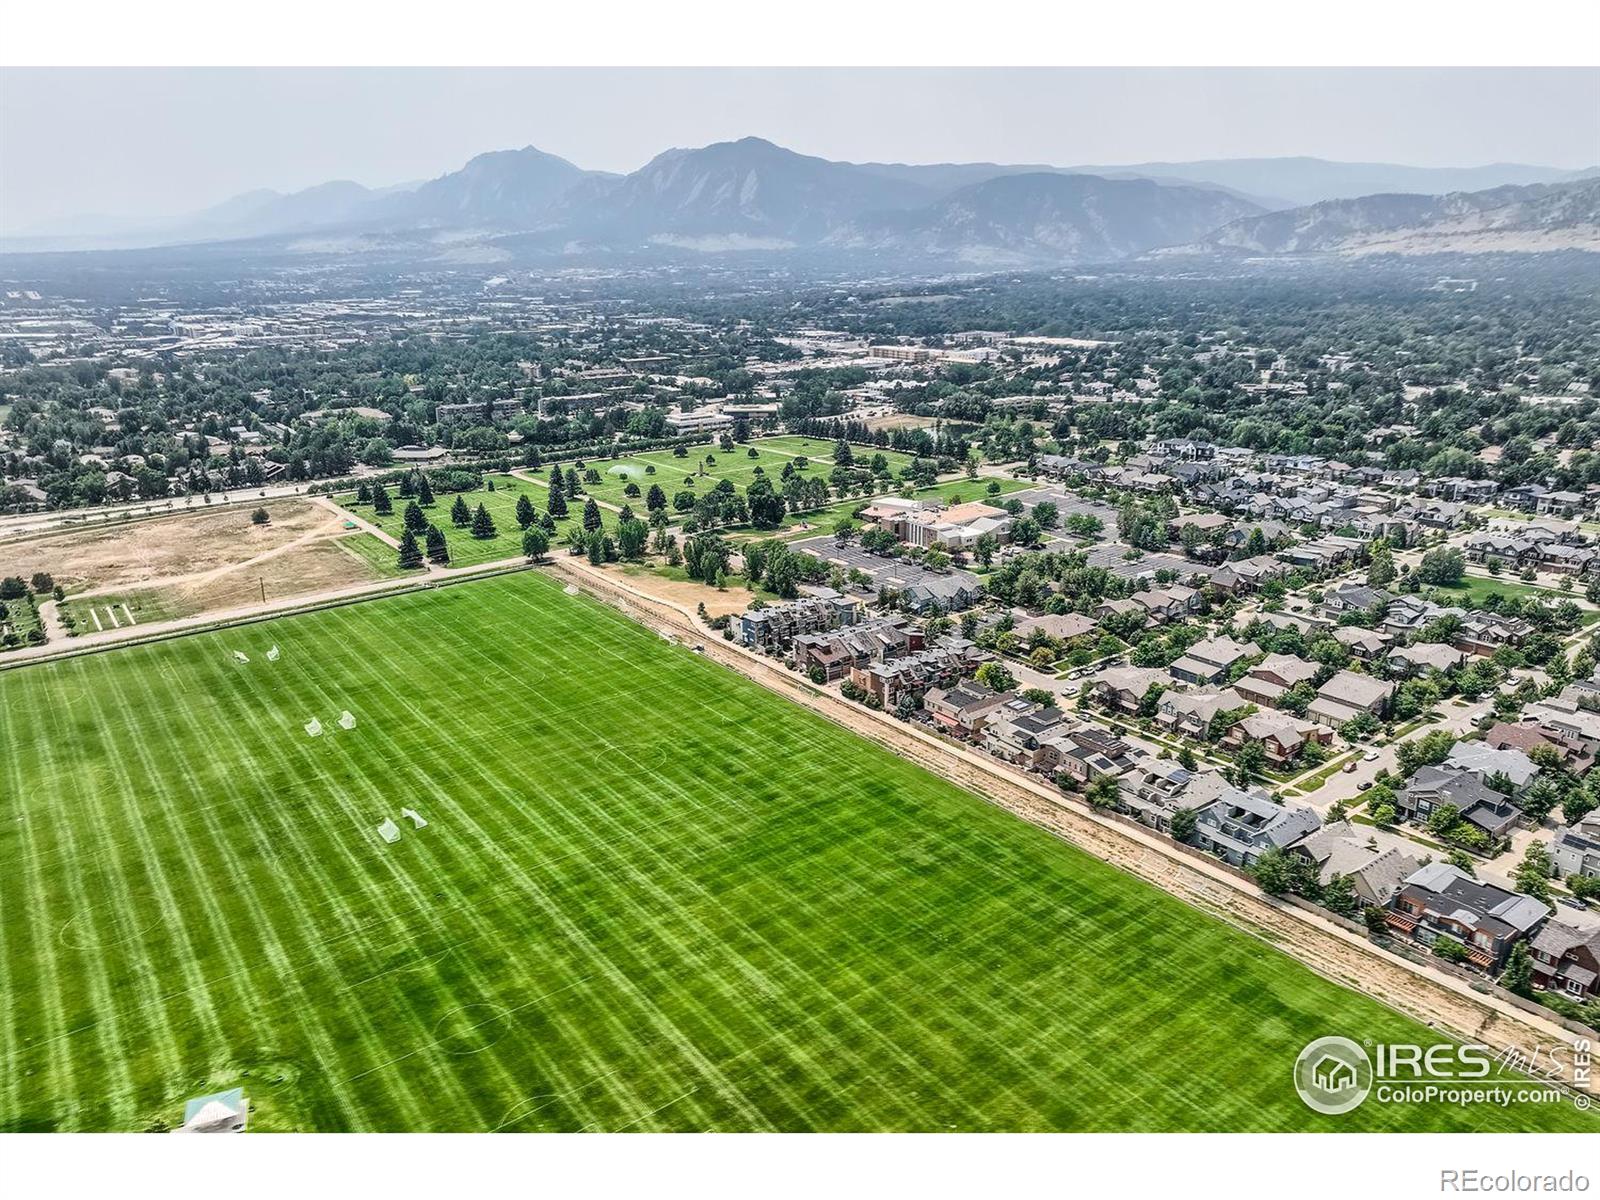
(200, 562)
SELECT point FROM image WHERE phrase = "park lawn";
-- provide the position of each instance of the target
(1477, 587)
(145, 606)
(379, 555)
(650, 896)
(674, 474)
(466, 550)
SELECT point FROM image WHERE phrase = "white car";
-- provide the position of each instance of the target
(1370, 756)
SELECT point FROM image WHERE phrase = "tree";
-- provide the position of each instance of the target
(556, 506)
(1340, 896)
(416, 521)
(1442, 567)
(996, 676)
(13, 587)
(259, 517)
(482, 523)
(1517, 977)
(460, 514)
(1248, 761)
(410, 552)
(1532, 874)
(1186, 759)
(1273, 872)
(1377, 921)
(535, 543)
(632, 534)
(591, 515)
(1183, 824)
(1103, 793)
(424, 492)
(985, 548)
(381, 504)
(438, 548)
(525, 513)
(655, 499)
(1380, 569)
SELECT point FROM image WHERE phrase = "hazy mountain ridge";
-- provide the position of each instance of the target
(753, 196)
(1535, 217)
(1050, 216)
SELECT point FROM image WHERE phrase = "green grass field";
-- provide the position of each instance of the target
(672, 473)
(651, 895)
(466, 550)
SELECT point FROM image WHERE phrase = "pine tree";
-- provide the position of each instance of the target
(655, 498)
(525, 512)
(425, 492)
(381, 504)
(408, 485)
(591, 515)
(460, 514)
(482, 523)
(555, 477)
(410, 552)
(415, 521)
(438, 548)
(363, 494)
(557, 507)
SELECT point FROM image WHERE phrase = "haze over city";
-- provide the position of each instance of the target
(225, 132)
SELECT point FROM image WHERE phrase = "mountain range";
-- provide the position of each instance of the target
(753, 196)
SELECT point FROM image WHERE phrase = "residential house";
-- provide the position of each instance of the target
(1281, 736)
(1354, 597)
(1433, 787)
(1209, 660)
(1086, 753)
(964, 710)
(1487, 763)
(1375, 875)
(1483, 633)
(1566, 959)
(1576, 851)
(775, 627)
(1191, 713)
(913, 674)
(1347, 695)
(1123, 688)
(1267, 681)
(836, 651)
(1422, 657)
(1441, 900)
(1367, 645)
(1238, 826)
(1018, 730)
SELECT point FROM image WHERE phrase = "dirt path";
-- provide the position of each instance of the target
(1437, 1000)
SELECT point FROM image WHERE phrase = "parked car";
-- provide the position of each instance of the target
(1573, 902)
(1370, 756)
(1363, 785)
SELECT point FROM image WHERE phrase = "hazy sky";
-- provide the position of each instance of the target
(135, 143)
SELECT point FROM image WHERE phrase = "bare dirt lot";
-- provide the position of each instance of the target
(197, 562)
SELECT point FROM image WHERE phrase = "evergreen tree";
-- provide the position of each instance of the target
(460, 514)
(482, 523)
(557, 507)
(438, 548)
(525, 513)
(655, 499)
(408, 485)
(591, 515)
(363, 494)
(555, 478)
(381, 504)
(416, 522)
(424, 491)
(410, 552)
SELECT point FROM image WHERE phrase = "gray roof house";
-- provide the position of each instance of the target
(1238, 826)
